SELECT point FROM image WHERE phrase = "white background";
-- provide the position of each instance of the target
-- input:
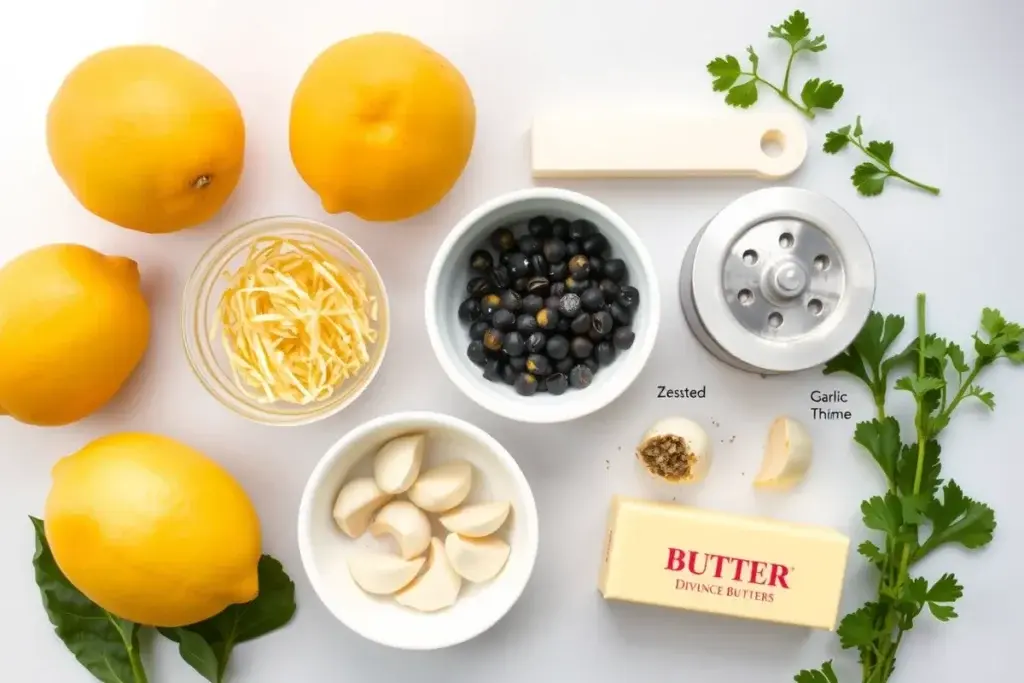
(939, 77)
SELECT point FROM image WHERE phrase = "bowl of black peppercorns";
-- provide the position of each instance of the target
(542, 305)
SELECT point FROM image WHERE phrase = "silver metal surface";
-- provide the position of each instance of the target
(780, 280)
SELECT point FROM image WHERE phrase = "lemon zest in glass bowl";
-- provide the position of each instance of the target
(296, 322)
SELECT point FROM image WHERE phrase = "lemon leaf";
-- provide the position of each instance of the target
(104, 644)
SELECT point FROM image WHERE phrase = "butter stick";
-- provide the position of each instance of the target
(687, 558)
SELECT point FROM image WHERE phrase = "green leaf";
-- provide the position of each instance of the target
(857, 629)
(869, 179)
(752, 56)
(725, 70)
(819, 94)
(877, 336)
(956, 358)
(849, 361)
(992, 321)
(882, 441)
(198, 654)
(858, 130)
(917, 590)
(920, 386)
(743, 95)
(883, 514)
(931, 469)
(942, 612)
(958, 519)
(986, 397)
(881, 150)
(823, 675)
(913, 507)
(815, 44)
(272, 609)
(945, 589)
(873, 553)
(104, 644)
(795, 28)
(836, 140)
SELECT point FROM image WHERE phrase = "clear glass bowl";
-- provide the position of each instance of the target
(201, 326)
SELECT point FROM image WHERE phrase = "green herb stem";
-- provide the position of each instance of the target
(789, 67)
(782, 92)
(856, 142)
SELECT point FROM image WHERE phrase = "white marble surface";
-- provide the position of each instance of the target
(937, 76)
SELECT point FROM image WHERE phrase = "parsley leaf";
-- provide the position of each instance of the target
(882, 441)
(819, 94)
(920, 387)
(743, 95)
(795, 28)
(873, 553)
(823, 675)
(725, 70)
(881, 150)
(836, 140)
(906, 469)
(957, 519)
(883, 513)
(868, 177)
(857, 629)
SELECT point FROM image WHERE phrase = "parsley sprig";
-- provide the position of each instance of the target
(796, 31)
(919, 512)
(869, 178)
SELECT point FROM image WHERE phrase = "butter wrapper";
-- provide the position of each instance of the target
(687, 558)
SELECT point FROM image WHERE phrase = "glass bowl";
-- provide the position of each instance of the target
(201, 326)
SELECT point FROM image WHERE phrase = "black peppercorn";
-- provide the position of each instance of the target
(592, 365)
(603, 323)
(557, 384)
(493, 339)
(565, 365)
(504, 257)
(564, 324)
(547, 318)
(629, 297)
(538, 264)
(609, 290)
(518, 265)
(551, 302)
(554, 250)
(581, 323)
(557, 289)
(595, 245)
(508, 374)
(488, 305)
(623, 338)
(620, 313)
(535, 342)
(526, 384)
(596, 266)
(539, 226)
(532, 303)
(560, 228)
(515, 344)
(539, 286)
(469, 310)
(594, 336)
(592, 300)
(481, 261)
(581, 229)
(530, 245)
(558, 271)
(614, 269)
(580, 347)
(576, 286)
(476, 352)
(526, 323)
(604, 353)
(557, 347)
(477, 329)
(479, 286)
(517, 363)
(579, 267)
(538, 365)
(542, 384)
(504, 320)
(521, 285)
(580, 377)
(492, 370)
(502, 239)
(569, 305)
(499, 277)
(572, 247)
(511, 301)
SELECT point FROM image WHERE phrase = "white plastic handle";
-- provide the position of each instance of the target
(666, 145)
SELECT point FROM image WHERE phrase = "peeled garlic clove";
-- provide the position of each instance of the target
(397, 463)
(675, 450)
(787, 455)
(476, 559)
(476, 521)
(381, 573)
(437, 587)
(407, 524)
(442, 488)
(356, 503)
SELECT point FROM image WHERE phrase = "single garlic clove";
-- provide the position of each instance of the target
(356, 503)
(397, 463)
(407, 524)
(443, 487)
(476, 559)
(437, 587)
(476, 521)
(382, 573)
(676, 450)
(787, 455)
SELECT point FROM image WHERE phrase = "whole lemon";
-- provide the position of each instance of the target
(381, 126)
(146, 138)
(152, 530)
(73, 326)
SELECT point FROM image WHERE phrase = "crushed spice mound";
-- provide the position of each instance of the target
(668, 456)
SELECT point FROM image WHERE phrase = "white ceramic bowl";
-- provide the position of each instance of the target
(324, 548)
(446, 287)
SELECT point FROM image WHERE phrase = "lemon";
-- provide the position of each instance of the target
(73, 327)
(152, 531)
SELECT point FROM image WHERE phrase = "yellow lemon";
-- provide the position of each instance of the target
(152, 530)
(73, 326)
(381, 126)
(146, 138)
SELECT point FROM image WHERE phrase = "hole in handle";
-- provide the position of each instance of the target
(772, 143)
